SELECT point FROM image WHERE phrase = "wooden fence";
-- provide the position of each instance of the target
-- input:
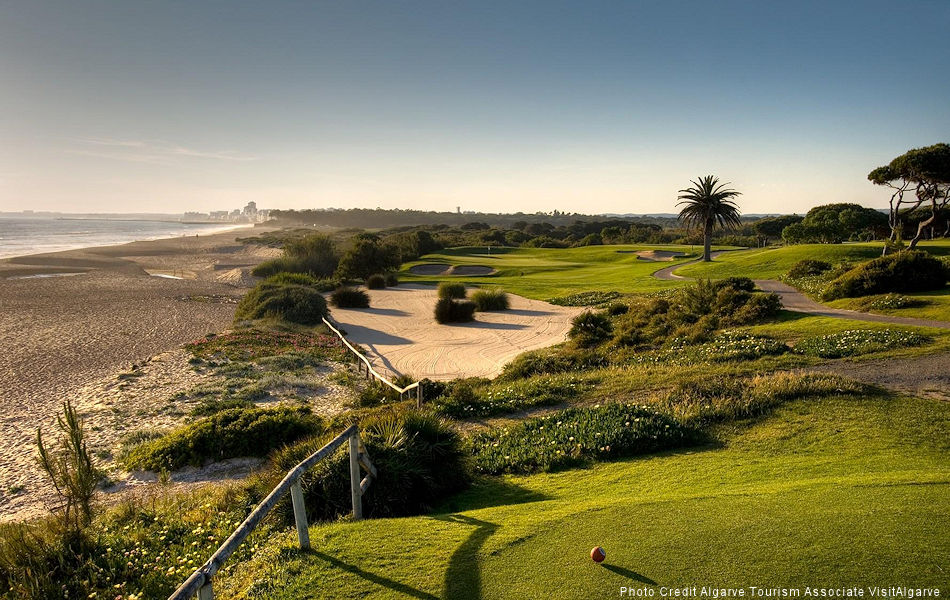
(363, 364)
(200, 581)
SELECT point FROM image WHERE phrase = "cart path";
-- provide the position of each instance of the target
(796, 301)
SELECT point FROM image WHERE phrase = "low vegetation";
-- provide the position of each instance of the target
(349, 297)
(858, 341)
(376, 282)
(451, 290)
(905, 272)
(285, 297)
(490, 300)
(448, 310)
(311, 254)
(466, 399)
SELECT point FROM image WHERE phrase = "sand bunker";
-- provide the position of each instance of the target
(403, 337)
(444, 269)
(658, 255)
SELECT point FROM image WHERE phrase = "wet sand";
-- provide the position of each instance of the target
(59, 334)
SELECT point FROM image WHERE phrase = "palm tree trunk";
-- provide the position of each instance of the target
(707, 241)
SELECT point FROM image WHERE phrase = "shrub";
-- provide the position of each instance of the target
(585, 299)
(208, 407)
(906, 272)
(392, 280)
(420, 460)
(349, 297)
(858, 341)
(376, 282)
(313, 254)
(452, 311)
(285, 297)
(464, 402)
(891, 301)
(576, 436)
(590, 328)
(615, 309)
(227, 434)
(546, 361)
(449, 289)
(808, 268)
(724, 347)
(486, 300)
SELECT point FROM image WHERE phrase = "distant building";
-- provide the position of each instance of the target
(250, 211)
(219, 215)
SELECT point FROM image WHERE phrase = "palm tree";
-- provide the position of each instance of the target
(707, 204)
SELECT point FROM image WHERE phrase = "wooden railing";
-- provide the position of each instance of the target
(363, 364)
(200, 581)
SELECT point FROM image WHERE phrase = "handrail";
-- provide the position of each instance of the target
(370, 371)
(200, 581)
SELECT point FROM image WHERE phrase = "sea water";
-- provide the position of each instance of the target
(20, 236)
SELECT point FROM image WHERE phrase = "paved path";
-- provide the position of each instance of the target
(796, 301)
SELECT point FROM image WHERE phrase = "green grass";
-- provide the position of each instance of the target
(837, 492)
(544, 273)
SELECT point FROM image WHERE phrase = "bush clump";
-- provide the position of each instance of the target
(452, 290)
(590, 328)
(448, 310)
(808, 268)
(725, 346)
(464, 401)
(349, 297)
(891, 302)
(226, 434)
(392, 280)
(487, 300)
(548, 361)
(585, 299)
(856, 342)
(905, 272)
(312, 254)
(286, 297)
(577, 436)
(376, 282)
(420, 459)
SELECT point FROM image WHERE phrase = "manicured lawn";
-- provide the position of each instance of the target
(544, 273)
(838, 492)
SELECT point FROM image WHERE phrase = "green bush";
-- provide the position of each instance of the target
(891, 301)
(226, 434)
(547, 361)
(590, 328)
(855, 342)
(808, 268)
(577, 436)
(420, 459)
(466, 402)
(906, 272)
(349, 297)
(453, 290)
(313, 254)
(724, 347)
(585, 299)
(376, 282)
(286, 297)
(392, 280)
(452, 311)
(487, 300)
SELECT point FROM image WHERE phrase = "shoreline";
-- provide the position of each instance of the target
(212, 230)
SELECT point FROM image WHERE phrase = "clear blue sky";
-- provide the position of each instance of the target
(494, 106)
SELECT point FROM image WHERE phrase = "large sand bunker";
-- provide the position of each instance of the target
(445, 269)
(401, 332)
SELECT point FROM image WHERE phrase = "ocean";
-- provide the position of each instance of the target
(22, 235)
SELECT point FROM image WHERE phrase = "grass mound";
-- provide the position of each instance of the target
(808, 268)
(284, 297)
(905, 272)
(448, 310)
(349, 297)
(585, 299)
(578, 436)
(226, 434)
(451, 290)
(856, 342)
(488, 300)
(462, 400)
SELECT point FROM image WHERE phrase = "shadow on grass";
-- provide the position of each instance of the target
(487, 492)
(396, 586)
(463, 578)
(629, 574)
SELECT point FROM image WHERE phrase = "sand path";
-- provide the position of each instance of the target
(403, 337)
(794, 300)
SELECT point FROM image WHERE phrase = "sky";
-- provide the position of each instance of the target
(586, 106)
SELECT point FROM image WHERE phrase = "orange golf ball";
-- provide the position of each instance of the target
(598, 555)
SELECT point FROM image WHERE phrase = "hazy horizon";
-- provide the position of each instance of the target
(603, 107)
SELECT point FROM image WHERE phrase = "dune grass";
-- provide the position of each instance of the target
(842, 491)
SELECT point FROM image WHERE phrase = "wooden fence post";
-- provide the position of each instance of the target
(300, 515)
(205, 592)
(355, 491)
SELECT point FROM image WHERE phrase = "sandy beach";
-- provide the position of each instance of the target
(61, 334)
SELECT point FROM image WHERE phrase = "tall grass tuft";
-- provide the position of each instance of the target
(452, 290)
(488, 300)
